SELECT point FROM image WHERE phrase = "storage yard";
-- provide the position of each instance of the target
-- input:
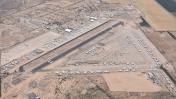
(88, 49)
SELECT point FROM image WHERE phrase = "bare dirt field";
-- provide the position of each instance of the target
(117, 1)
(152, 14)
(133, 82)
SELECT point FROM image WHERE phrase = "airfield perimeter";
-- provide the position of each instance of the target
(88, 49)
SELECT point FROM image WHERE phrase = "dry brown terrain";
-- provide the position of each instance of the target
(133, 82)
(87, 49)
(156, 15)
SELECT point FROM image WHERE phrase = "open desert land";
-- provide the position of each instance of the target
(155, 14)
(87, 49)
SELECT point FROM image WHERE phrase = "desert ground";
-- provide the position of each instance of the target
(87, 49)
